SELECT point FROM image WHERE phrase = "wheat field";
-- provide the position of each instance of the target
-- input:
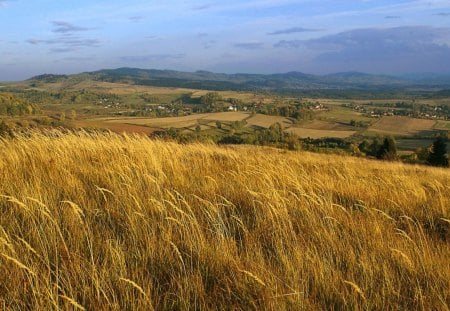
(111, 222)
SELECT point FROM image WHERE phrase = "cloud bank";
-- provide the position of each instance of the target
(417, 48)
(68, 39)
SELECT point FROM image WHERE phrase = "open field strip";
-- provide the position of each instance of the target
(265, 121)
(402, 126)
(442, 125)
(115, 127)
(324, 125)
(313, 133)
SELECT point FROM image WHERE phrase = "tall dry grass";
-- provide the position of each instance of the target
(106, 222)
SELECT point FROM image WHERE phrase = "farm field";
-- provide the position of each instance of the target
(315, 133)
(312, 129)
(264, 121)
(321, 129)
(179, 122)
(104, 221)
(341, 114)
(325, 125)
(402, 126)
(411, 144)
(114, 127)
(442, 125)
(226, 116)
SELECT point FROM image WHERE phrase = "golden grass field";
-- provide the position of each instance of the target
(109, 222)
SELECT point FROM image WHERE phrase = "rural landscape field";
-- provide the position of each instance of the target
(225, 155)
(119, 196)
(124, 196)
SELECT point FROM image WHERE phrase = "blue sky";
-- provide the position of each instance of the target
(256, 36)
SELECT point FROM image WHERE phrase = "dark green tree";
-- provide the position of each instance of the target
(388, 150)
(275, 132)
(438, 155)
(364, 146)
(210, 98)
(374, 148)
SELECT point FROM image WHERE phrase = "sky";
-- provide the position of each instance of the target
(233, 36)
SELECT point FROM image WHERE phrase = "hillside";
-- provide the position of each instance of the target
(102, 221)
(291, 81)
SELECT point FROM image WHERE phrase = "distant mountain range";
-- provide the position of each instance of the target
(291, 81)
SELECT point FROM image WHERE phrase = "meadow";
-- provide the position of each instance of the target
(117, 222)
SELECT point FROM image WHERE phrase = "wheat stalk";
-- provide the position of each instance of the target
(356, 288)
(253, 276)
(132, 283)
(19, 264)
(72, 302)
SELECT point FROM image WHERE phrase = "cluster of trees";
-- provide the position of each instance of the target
(385, 149)
(296, 112)
(358, 123)
(12, 106)
(210, 98)
(274, 135)
(436, 154)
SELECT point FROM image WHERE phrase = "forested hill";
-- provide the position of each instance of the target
(242, 81)
(338, 85)
(291, 81)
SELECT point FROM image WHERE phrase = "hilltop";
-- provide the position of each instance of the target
(103, 221)
(286, 82)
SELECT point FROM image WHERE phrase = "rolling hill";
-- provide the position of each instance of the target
(291, 81)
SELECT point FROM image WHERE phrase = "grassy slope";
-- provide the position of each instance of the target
(106, 222)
